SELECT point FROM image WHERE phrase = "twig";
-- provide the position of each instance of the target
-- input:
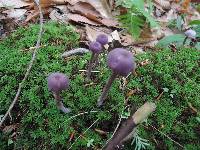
(84, 132)
(77, 51)
(167, 137)
(118, 124)
(91, 71)
(29, 67)
(128, 126)
(72, 117)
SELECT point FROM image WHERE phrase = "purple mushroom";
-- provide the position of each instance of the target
(102, 39)
(57, 82)
(95, 48)
(121, 62)
(191, 34)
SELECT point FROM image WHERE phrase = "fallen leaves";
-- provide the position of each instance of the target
(78, 18)
(13, 3)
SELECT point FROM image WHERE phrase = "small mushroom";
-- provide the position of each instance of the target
(95, 48)
(102, 39)
(121, 62)
(191, 34)
(57, 82)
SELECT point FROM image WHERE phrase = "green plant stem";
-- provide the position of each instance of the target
(59, 103)
(185, 40)
(90, 66)
(106, 89)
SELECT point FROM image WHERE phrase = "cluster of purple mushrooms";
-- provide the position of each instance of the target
(119, 60)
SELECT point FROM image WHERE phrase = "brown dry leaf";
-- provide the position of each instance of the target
(127, 40)
(131, 92)
(137, 50)
(86, 10)
(10, 128)
(56, 16)
(165, 4)
(89, 11)
(79, 18)
(101, 132)
(101, 6)
(145, 62)
(192, 108)
(13, 3)
(15, 13)
(110, 22)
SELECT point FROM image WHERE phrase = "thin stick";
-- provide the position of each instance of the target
(77, 51)
(84, 132)
(118, 124)
(91, 71)
(29, 67)
(167, 136)
(83, 113)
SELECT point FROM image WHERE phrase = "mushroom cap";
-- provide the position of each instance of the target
(57, 82)
(121, 61)
(102, 39)
(95, 47)
(190, 34)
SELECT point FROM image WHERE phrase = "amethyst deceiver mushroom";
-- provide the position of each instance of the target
(121, 62)
(102, 39)
(191, 34)
(57, 82)
(95, 48)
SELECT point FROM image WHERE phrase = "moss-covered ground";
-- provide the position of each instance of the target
(175, 76)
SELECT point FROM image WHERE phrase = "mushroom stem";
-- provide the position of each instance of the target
(59, 103)
(185, 40)
(106, 89)
(90, 66)
(96, 59)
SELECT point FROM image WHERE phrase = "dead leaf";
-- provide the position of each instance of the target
(56, 16)
(115, 36)
(81, 19)
(86, 10)
(18, 14)
(110, 22)
(10, 128)
(92, 33)
(127, 40)
(191, 107)
(165, 4)
(100, 132)
(13, 3)
(89, 11)
(145, 62)
(131, 93)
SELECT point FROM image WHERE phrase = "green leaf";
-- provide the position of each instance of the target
(10, 141)
(177, 38)
(139, 4)
(179, 23)
(166, 89)
(195, 22)
(90, 142)
(198, 119)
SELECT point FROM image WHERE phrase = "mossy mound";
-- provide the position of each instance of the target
(42, 126)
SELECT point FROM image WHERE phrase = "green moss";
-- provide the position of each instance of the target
(42, 126)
